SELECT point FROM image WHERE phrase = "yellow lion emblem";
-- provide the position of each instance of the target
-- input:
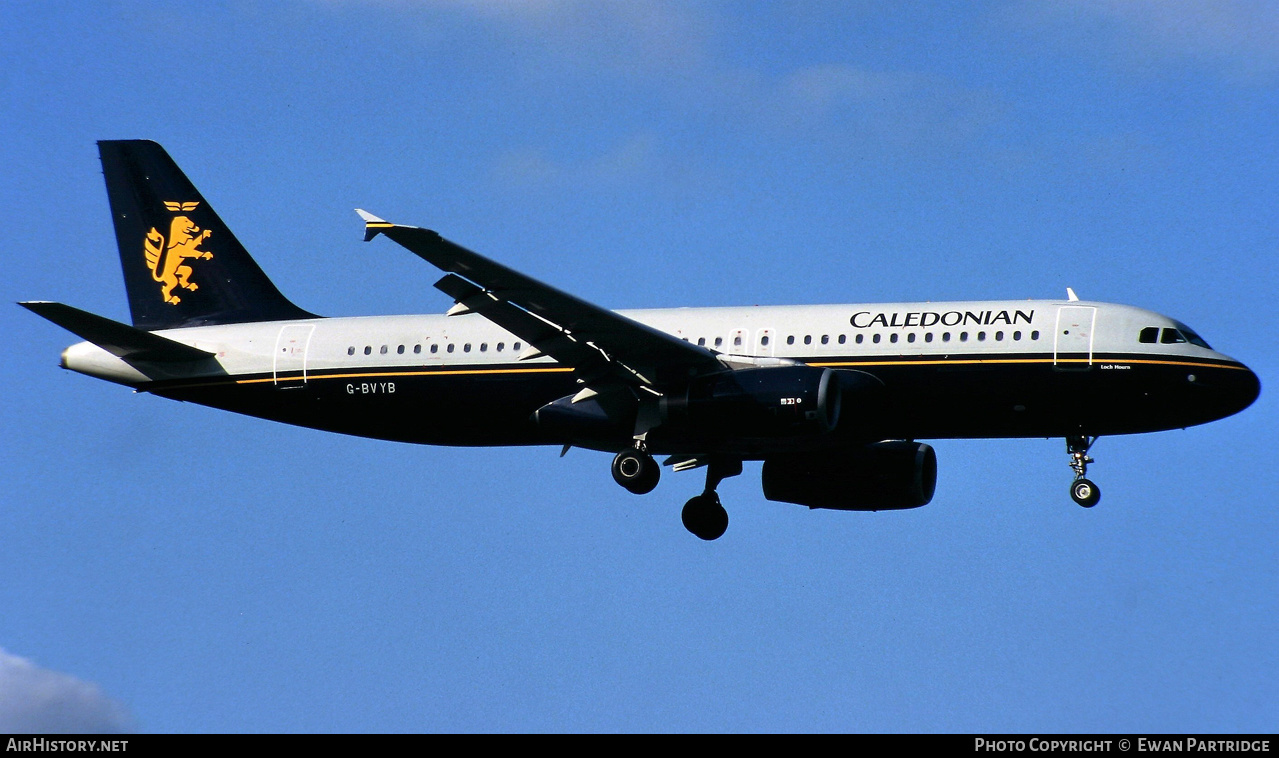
(166, 260)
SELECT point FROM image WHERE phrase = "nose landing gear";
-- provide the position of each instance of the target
(1083, 491)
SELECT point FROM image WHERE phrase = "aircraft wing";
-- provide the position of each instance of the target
(598, 343)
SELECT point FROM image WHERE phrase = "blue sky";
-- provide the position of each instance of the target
(167, 567)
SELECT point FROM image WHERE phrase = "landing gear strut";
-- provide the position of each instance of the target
(703, 515)
(1082, 490)
(636, 471)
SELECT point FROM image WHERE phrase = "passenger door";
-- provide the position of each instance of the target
(289, 367)
(1073, 340)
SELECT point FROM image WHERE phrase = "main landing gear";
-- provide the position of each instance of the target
(636, 471)
(703, 515)
(1082, 490)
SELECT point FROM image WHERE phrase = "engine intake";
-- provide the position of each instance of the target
(883, 476)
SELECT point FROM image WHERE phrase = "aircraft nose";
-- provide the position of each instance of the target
(1219, 392)
(1248, 388)
(1235, 390)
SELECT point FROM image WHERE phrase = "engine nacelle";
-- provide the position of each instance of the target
(781, 401)
(884, 476)
(756, 403)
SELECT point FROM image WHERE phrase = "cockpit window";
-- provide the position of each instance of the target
(1171, 336)
(1194, 339)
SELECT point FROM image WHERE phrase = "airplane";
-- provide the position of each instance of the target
(833, 399)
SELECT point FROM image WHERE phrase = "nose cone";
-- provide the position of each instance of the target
(1247, 389)
(1211, 393)
(1227, 391)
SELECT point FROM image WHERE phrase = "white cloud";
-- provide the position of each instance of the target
(889, 110)
(624, 162)
(640, 37)
(669, 58)
(35, 700)
(1238, 38)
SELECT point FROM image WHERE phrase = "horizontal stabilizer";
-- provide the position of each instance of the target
(121, 340)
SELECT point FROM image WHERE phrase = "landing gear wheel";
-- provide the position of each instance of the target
(705, 517)
(636, 471)
(1084, 492)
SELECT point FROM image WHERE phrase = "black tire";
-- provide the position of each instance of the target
(1084, 492)
(705, 517)
(637, 472)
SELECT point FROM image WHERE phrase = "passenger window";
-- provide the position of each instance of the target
(999, 336)
(484, 347)
(808, 339)
(516, 346)
(368, 349)
(790, 339)
(466, 348)
(450, 347)
(719, 341)
(893, 338)
(435, 348)
(963, 336)
(910, 337)
(737, 341)
(1149, 335)
(825, 339)
(945, 336)
(417, 349)
(350, 350)
(1172, 337)
(501, 346)
(842, 339)
(400, 350)
(860, 338)
(1017, 336)
(701, 341)
(383, 350)
(763, 340)
(928, 337)
(1034, 335)
(981, 336)
(875, 339)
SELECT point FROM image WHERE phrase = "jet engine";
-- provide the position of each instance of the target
(883, 476)
(781, 401)
(757, 403)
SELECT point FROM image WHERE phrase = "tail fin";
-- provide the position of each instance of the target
(182, 265)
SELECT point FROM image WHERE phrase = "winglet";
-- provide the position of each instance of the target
(1070, 295)
(373, 225)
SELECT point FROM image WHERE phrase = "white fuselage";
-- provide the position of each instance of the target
(815, 334)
